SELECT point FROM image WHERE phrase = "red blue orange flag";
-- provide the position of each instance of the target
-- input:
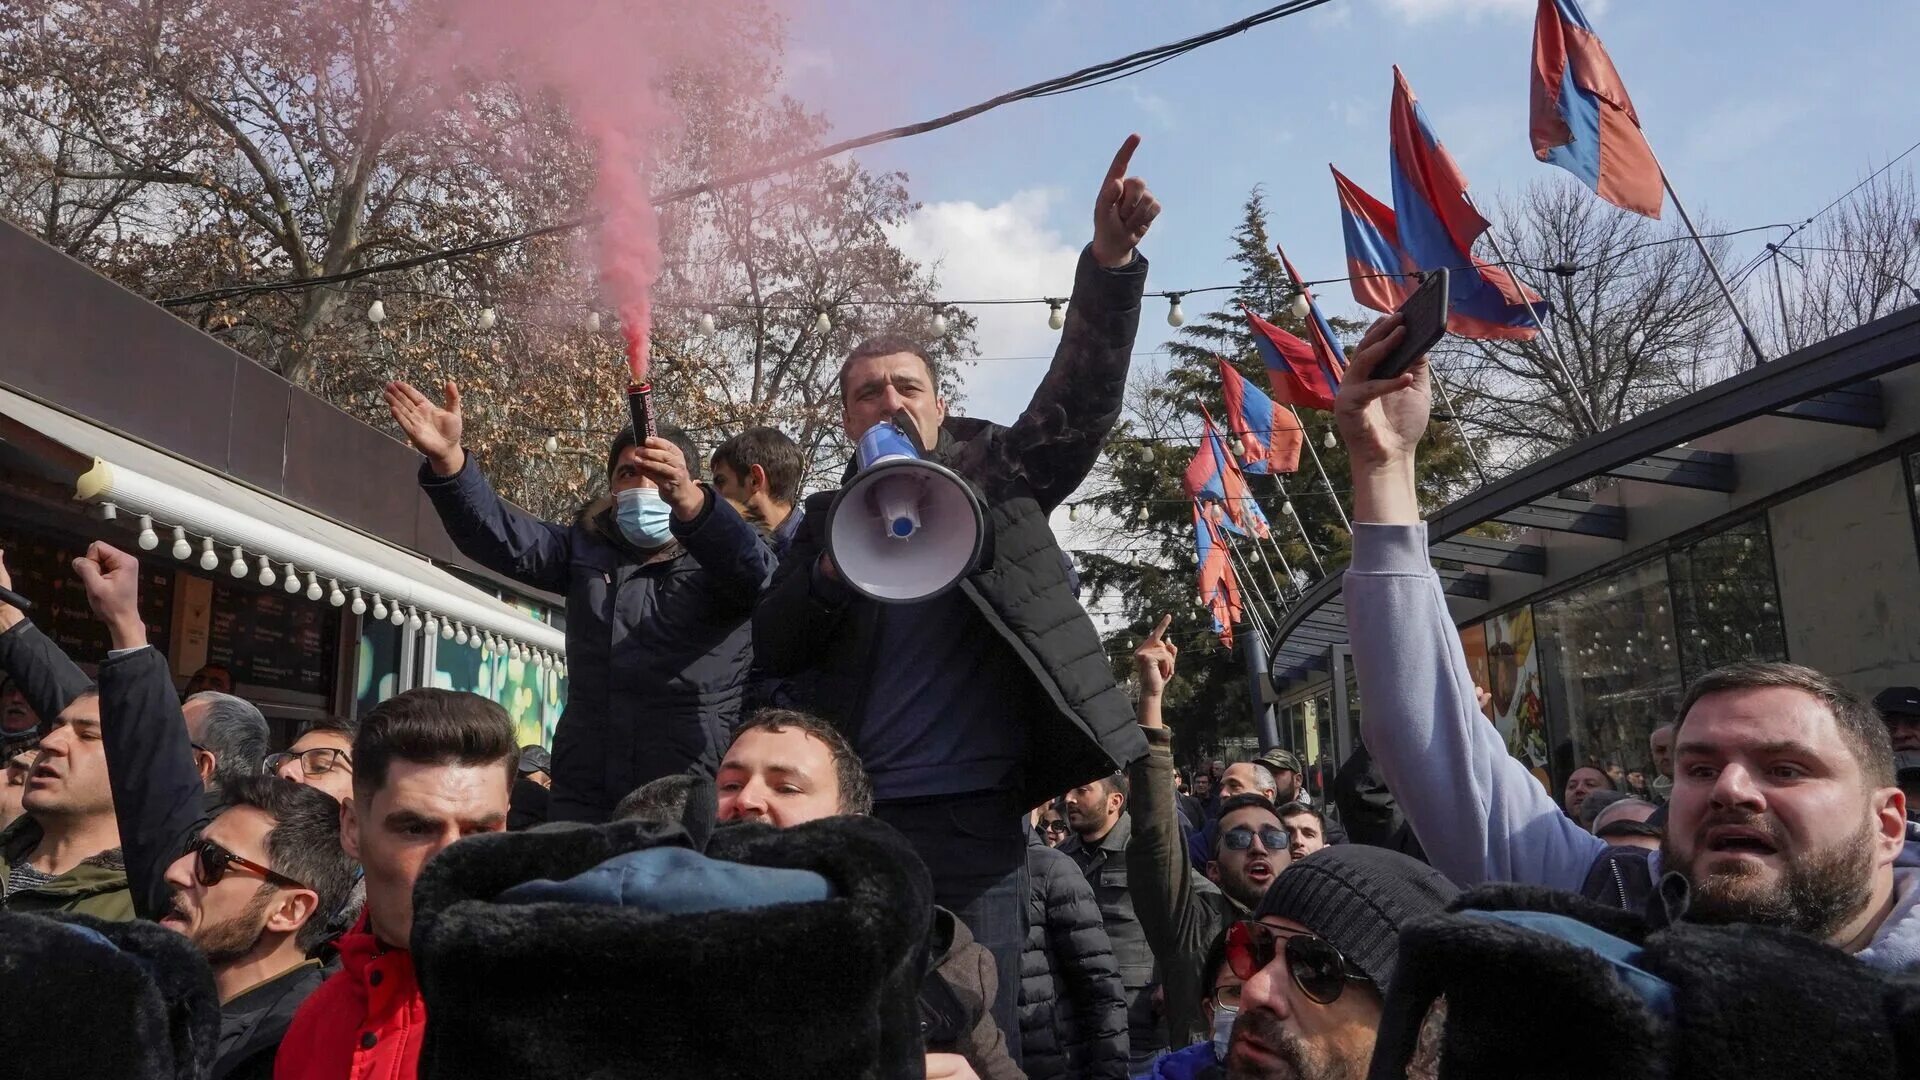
(1219, 589)
(1294, 369)
(1582, 118)
(1376, 267)
(1269, 439)
(1438, 227)
(1243, 513)
(1326, 347)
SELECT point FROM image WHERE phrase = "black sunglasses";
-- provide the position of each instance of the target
(1272, 837)
(211, 863)
(1053, 826)
(1316, 966)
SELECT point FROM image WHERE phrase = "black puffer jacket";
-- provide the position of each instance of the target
(1080, 724)
(657, 643)
(1073, 1014)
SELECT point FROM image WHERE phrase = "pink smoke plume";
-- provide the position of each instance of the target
(608, 61)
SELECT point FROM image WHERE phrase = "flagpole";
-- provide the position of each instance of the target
(1553, 340)
(1247, 580)
(1686, 219)
(1274, 546)
(1278, 592)
(1308, 439)
(1305, 537)
(1458, 428)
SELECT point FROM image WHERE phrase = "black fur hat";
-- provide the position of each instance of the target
(821, 989)
(1737, 1001)
(83, 997)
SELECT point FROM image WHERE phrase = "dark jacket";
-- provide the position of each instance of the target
(1079, 724)
(1073, 1011)
(46, 677)
(158, 797)
(956, 1000)
(527, 804)
(657, 643)
(252, 1025)
(1368, 809)
(1180, 912)
(1105, 866)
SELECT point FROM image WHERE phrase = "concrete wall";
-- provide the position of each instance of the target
(1850, 579)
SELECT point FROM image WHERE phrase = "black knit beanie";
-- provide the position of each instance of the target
(1357, 897)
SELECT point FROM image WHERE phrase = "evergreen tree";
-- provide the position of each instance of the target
(1150, 567)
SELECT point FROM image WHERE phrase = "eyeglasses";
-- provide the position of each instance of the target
(318, 760)
(1316, 966)
(1053, 827)
(1240, 838)
(211, 863)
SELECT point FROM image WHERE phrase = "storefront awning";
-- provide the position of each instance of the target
(237, 523)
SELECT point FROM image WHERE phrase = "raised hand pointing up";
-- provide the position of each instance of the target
(1123, 212)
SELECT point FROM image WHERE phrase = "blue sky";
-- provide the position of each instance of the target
(1760, 110)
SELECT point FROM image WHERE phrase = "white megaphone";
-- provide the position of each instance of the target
(904, 529)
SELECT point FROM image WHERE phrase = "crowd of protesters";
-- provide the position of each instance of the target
(787, 829)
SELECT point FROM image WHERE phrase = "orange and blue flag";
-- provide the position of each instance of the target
(1219, 589)
(1378, 270)
(1294, 368)
(1438, 226)
(1326, 347)
(1269, 439)
(1243, 512)
(1581, 117)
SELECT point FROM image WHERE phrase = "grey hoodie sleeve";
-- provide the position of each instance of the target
(1480, 815)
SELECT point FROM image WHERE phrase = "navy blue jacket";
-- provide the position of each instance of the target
(658, 643)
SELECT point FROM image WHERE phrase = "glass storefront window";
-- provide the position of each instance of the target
(1723, 591)
(1610, 666)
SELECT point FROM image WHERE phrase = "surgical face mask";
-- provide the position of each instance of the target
(644, 517)
(1223, 1018)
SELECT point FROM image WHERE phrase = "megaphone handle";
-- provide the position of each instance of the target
(903, 422)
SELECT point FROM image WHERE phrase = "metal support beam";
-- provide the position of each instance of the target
(1859, 405)
(1492, 554)
(1467, 584)
(1702, 469)
(1569, 515)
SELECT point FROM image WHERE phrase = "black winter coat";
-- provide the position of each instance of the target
(1079, 723)
(657, 643)
(1073, 1013)
(158, 798)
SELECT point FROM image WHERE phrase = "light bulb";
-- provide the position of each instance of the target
(822, 324)
(1175, 316)
(706, 323)
(148, 539)
(1073, 511)
(266, 572)
(1287, 507)
(553, 444)
(313, 586)
(487, 318)
(209, 559)
(460, 634)
(446, 630)
(181, 549)
(593, 322)
(1056, 318)
(359, 602)
(939, 322)
(334, 595)
(396, 616)
(513, 651)
(291, 577)
(238, 568)
(376, 313)
(379, 606)
(1301, 308)
(413, 618)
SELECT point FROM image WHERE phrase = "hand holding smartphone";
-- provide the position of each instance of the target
(1424, 318)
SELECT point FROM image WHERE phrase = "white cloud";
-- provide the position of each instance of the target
(988, 252)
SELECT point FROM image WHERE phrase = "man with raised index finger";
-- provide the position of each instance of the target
(972, 706)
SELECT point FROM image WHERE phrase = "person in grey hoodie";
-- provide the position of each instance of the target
(1784, 810)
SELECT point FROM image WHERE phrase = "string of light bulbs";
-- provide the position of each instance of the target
(268, 572)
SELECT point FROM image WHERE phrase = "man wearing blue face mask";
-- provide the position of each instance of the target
(661, 577)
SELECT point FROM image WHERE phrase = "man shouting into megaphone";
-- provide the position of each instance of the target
(970, 706)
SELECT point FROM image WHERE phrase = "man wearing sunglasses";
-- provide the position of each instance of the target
(321, 757)
(1180, 912)
(253, 894)
(1318, 959)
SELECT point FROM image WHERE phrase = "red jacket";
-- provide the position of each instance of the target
(364, 1023)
